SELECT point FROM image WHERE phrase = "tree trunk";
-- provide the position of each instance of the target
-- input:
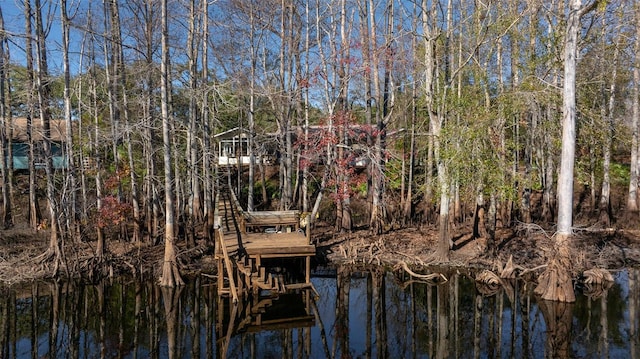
(170, 274)
(153, 211)
(435, 123)
(605, 194)
(95, 146)
(122, 85)
(194, 210)
(6, 157)
(54, 250)
(252, 95)
(384, 103)
(479, 219)
(34, 207)
(206, 160)
(632, 200)
(72, 219)
(555, 282)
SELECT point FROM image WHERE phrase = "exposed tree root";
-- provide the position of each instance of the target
(430, 278)
(597, 282)
(509, 269)
(488, 277)
(529, 270)
(555, 283)
(488, 283)
(597, 276)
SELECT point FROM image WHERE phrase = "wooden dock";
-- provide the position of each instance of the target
(244, 240)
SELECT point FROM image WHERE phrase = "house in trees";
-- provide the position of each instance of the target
(232, 147)
(20, 144)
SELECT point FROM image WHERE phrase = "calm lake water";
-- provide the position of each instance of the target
(368, 314)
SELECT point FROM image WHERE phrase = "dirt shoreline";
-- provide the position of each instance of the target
(409, 248)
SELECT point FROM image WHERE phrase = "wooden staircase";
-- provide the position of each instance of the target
(256, 278)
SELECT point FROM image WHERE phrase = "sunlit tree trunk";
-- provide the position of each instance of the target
(344, 219)
(72, 219)
(555, 282)
(195, 201)
(112, 44)
(366, 76)
(34, 207)
(152, 206)
(408, 199)
(307, 104)
(252, 95)
(283, 104)
(207, 128)
(122, 86)
(44, 91)
(330, 105)
(6, 133)
(605, 194)
(385, 107)
(95, 146)
(170, 274)
(632, 199)
(435, 123)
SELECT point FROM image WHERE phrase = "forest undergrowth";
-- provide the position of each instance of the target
(525, 248)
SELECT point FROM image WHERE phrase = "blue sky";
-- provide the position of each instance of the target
(12, 10)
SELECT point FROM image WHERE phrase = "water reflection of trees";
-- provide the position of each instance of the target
(458, 319)
(368, 314)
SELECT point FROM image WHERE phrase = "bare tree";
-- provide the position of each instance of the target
(43, 91)
(555, 282)
(608, 117)
(206, 127)
(632, 200)
(6, 157)
(195, 201)
(170, 273)
(34, 208)
(431, 33)
(71, 219)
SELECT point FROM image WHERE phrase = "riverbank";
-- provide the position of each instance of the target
(526, 248)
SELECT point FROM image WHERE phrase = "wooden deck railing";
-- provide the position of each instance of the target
(221, 251)
(248, 219)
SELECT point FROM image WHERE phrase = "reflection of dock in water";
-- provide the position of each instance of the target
(292, 310)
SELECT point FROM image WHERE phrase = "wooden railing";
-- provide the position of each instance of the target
(221, 250)
(246, 219)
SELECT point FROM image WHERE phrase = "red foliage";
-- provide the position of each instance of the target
(346, 139)
(113, 181)
(113, 212)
